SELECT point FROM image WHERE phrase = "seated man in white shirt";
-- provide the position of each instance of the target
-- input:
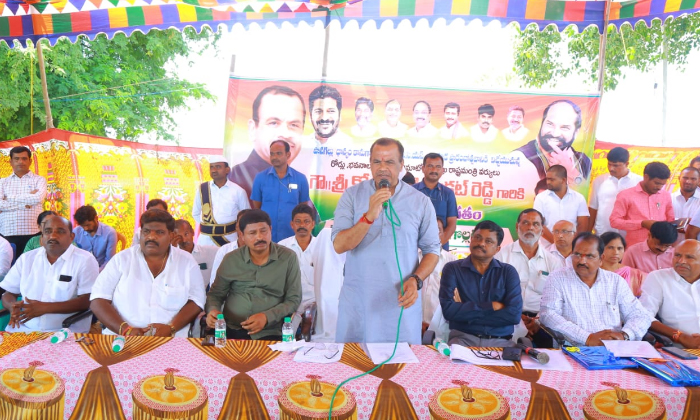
(303, 244)
(534, 265)
(563, 232)
(6, 256)
(183, 238)
(150, 289)
(588, 304)
(673, 295)
(55, 282)
(156, 203)
(229, 247)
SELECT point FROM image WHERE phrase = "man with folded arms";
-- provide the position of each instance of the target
(258, 284)
(54, 281)
(656, 252)
(150, 289)
(534, 265)
(588, 304)
(479, 295)
(673, 295)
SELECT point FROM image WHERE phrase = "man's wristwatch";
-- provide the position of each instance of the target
(419, 281)
(627, 337)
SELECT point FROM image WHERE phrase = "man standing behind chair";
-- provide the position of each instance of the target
(216, 204)
(258, 284)
(673, 294)
(639, 207)
(153, 287)
(479, 295)
(605, 188)
(442, 197)
(371, 296)
(560, 202)
(278, 189)
(94, 237)
(534, 265)
(686, 201)
(21, 200)
(303, 244)
(588, 304)
(204, 255)
(54, 281)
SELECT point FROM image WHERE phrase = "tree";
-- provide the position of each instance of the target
(542, 58)
(119, 87)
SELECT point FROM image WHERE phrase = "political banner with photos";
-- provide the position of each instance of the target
(496, 146)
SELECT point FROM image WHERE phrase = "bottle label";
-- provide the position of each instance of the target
(220, 334)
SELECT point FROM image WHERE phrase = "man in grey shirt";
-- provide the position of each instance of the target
(367, 310)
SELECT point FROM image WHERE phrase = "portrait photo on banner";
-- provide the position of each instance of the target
(497, 146)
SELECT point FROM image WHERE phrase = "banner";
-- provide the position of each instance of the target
(116, 177)
(676, 158)
(493, 159)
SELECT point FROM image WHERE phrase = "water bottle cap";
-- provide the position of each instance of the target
(446, 352)
(287, 319)
(220, 316)
(54, 340)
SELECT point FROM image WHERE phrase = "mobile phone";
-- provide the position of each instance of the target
(680, 353)
(511, 353)
(208, 340)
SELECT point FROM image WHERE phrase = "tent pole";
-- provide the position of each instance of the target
(44, 88)
(601, 53)
(324, 69)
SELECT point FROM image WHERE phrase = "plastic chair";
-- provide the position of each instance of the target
(121, 242)
(14, 253)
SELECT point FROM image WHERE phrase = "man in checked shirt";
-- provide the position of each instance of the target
(21, 200)
(588, 304)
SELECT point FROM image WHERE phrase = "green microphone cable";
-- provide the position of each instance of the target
(395, 221)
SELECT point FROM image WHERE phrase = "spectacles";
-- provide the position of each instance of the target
(303, 222)
(438, 167)
(586, 256)
(487, 354)
(563, 232)
(329, 350)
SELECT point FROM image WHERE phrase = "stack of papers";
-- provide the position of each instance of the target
(622, 348)
(379, 352)
(287, 345)
(465, 354)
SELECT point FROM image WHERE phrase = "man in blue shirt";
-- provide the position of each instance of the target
(442, 197)
(480, 296)
(94, 237)
(278, 189)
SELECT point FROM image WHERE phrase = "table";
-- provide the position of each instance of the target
(246, 377)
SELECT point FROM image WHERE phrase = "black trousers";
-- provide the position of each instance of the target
(242, 334)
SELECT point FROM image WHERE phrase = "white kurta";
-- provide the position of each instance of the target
(306, 266)
(141, 299)
(35, 278)
(328, 280)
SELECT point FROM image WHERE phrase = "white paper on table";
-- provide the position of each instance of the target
(623, 348)
(557, 361)
(460, 353)
(287, 345)
(379, 352)
(318, 356)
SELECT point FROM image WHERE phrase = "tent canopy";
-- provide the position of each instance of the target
(23, 20)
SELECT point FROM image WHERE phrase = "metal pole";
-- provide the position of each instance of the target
(44, 88)
(601, 66)
(664, 91)
(324, 68)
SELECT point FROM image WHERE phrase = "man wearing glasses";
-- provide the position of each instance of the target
(563, 232)
(479, 295)
(587, 304)
(442, 197)
(303, 244)
(656, 253)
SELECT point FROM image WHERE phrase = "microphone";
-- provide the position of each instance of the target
(384, 183)
(542, 358)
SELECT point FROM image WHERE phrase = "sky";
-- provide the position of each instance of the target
(457, 55)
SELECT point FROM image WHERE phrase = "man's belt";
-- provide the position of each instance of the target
(217, 230)
(530, 314)
(492, 337)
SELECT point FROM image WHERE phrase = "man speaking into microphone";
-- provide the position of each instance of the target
(371, 297)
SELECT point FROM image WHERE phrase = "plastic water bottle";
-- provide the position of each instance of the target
(287, 332)
(441, 347)
(60, 335)
(220, 331)
(118, 343)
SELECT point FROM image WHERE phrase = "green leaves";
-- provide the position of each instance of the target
(117, 87)
(543, 58)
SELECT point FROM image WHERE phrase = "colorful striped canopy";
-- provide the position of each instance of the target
(24, 20)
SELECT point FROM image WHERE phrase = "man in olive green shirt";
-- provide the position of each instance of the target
(258, 284)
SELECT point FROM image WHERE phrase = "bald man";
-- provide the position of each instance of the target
(54, 281)
(563, 232)
(673, 294)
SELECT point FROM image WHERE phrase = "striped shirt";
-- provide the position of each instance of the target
(19, 208)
